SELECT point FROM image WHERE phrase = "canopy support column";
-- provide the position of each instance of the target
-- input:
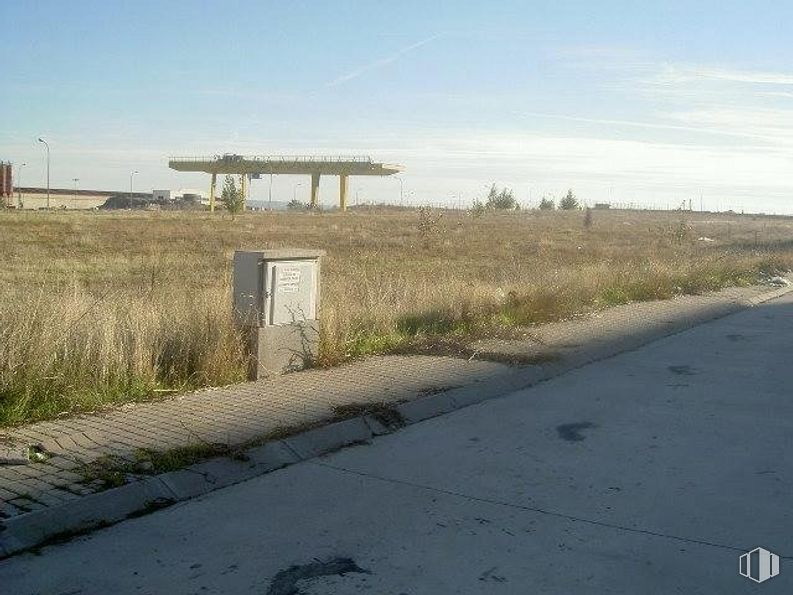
(314, 190)
(212, 186)
(343, 192)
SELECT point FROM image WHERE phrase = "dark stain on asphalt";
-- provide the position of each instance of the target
(736, 337)
(489, 575)
(285, 582)
(682, 370)
(572, 432)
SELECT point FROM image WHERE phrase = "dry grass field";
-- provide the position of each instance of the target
(105, 308)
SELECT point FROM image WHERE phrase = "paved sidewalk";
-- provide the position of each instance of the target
(237, 414)
(232, 415)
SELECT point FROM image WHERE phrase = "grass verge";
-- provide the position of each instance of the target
(101, 309)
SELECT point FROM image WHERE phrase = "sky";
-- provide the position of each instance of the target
(645, 103)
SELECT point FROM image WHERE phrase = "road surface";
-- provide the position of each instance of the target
(646, 473)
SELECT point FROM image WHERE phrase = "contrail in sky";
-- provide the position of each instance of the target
(702, 130)
(381, 62)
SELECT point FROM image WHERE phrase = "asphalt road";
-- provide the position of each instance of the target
(646, 473)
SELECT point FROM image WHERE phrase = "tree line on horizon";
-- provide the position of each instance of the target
(503, 199)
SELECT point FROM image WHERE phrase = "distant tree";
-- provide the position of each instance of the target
(546, 204)
(296, 205)
(569, 202)
(478, 208)
(501, 200)
(232, 197)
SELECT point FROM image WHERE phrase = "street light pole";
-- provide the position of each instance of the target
(131, 177)
(75, 180)
(41, 140)
(270, 191)
(294, 191)
(19, 182)
(401, 190)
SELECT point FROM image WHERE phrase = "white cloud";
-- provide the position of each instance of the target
(772, 125)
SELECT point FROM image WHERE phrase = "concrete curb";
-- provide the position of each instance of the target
(39, 528)
(29, 530)
(767, 297)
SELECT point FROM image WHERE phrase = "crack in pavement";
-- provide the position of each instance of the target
(543, 511)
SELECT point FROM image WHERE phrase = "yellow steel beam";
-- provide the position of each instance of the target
(237, 164)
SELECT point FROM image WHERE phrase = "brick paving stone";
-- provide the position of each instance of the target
(67, 476)
(10, 472)
(78, 489)
(8, 510)
(26, 505)
(63, 463)
(35, 485)
(16, 488)
(24, 471)
(63, 494)
(51, 497)
(83, 440)
(6, 494)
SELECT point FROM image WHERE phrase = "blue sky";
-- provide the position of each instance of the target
(638, 102)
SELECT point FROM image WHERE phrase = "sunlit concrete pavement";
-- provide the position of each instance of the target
(646, 473)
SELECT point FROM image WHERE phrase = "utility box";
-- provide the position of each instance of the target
(276, 302)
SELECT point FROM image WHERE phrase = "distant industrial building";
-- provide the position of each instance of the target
(183, 193)
(34, 198)
(161, 194)
(6, 183)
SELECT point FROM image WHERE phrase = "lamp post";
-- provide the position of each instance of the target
(75, 180)
(294, 191)
(270, 191)
(46, 144)
(19, 182)
(131, 178)
(401, 190)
